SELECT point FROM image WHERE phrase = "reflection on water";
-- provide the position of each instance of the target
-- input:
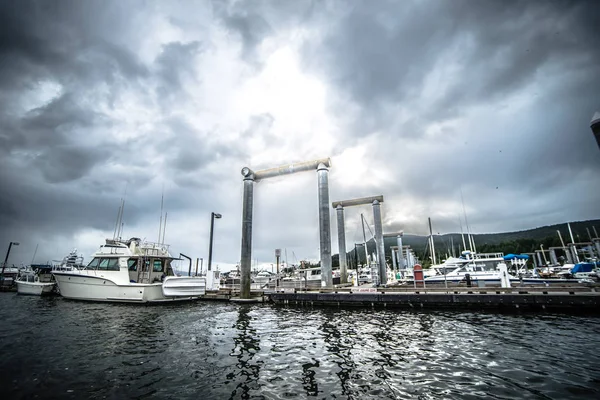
(56, 348)
(246, 345)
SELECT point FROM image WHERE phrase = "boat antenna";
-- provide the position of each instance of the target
(362, 219)
(162, 198)
(432, 243)
(117, 221)
(462, 233)
(122, 210)
(34, 253)
(595, 233)
(589, 234)
(164, 228)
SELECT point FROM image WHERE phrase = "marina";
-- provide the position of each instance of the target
(355, 200)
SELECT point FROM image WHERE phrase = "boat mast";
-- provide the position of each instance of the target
(362, 219)
(162, 198)
(164, 228)
(34, 253)
(117, 221)
(561, 239)
(432, 244)
(462, 234)
(570, 232)
(471, 241)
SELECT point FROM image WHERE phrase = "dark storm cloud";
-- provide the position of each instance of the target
(381, 55)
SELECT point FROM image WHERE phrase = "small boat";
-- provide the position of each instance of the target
(263, 278)
(37, 280)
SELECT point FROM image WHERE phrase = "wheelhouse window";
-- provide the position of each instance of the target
(157, 266)
(132, 264)
(108, 264)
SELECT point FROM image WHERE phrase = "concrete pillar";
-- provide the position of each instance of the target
(342, 244)
(324, 226)
(246, 257)
(394, 265)
(379, 240)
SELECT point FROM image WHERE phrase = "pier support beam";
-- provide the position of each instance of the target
(342, 244)
(375, 201)
(379, 242)
(324, 226)
(246, 257)
(250, 177)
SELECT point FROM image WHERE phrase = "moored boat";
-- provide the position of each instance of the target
(129, 271)
(36, 280)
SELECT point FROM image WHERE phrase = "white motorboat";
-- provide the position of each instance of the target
(36, 280)
(484, 269)
(263, 278)
(129, 271)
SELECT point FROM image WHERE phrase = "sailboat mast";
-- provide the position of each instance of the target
(362, 219)
(117, 221)
(34, 253)
(471, 241)
(462, 234)
(432, 243)
(570, 232)
(121, 221)
(162, 198)
(164, 228)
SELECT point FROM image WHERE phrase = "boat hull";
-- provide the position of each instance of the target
(91, 288)
(496, 281)
(35, 288)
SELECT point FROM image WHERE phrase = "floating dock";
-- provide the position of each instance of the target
(570, 299)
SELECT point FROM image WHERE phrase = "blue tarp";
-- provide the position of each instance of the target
(517, 256)
(583, 267)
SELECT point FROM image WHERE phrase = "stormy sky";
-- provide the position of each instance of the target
(415, 100)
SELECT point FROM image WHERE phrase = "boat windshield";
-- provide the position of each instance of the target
(104, 263)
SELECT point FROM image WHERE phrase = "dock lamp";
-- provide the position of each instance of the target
(213, 215)
(10, 245)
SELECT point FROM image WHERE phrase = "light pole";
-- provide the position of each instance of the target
(213, 215)
(10, 245)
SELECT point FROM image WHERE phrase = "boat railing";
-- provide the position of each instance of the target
(487, 256)
(154, 248)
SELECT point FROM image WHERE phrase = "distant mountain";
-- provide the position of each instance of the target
(526, 241)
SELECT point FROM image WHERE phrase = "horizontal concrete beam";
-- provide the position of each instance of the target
(287, 169)
(357, 202)
(393, 234)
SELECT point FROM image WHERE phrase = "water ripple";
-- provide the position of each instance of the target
(57, 348)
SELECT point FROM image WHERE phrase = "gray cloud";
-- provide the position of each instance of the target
(491, 98)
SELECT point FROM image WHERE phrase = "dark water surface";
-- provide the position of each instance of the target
(55, 348)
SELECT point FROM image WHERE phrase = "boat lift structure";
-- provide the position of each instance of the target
(250, 177)
(376, 202)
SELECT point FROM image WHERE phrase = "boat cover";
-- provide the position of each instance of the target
(516, 256)
(583, 267)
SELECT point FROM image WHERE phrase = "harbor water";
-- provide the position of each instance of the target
(55, 348)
